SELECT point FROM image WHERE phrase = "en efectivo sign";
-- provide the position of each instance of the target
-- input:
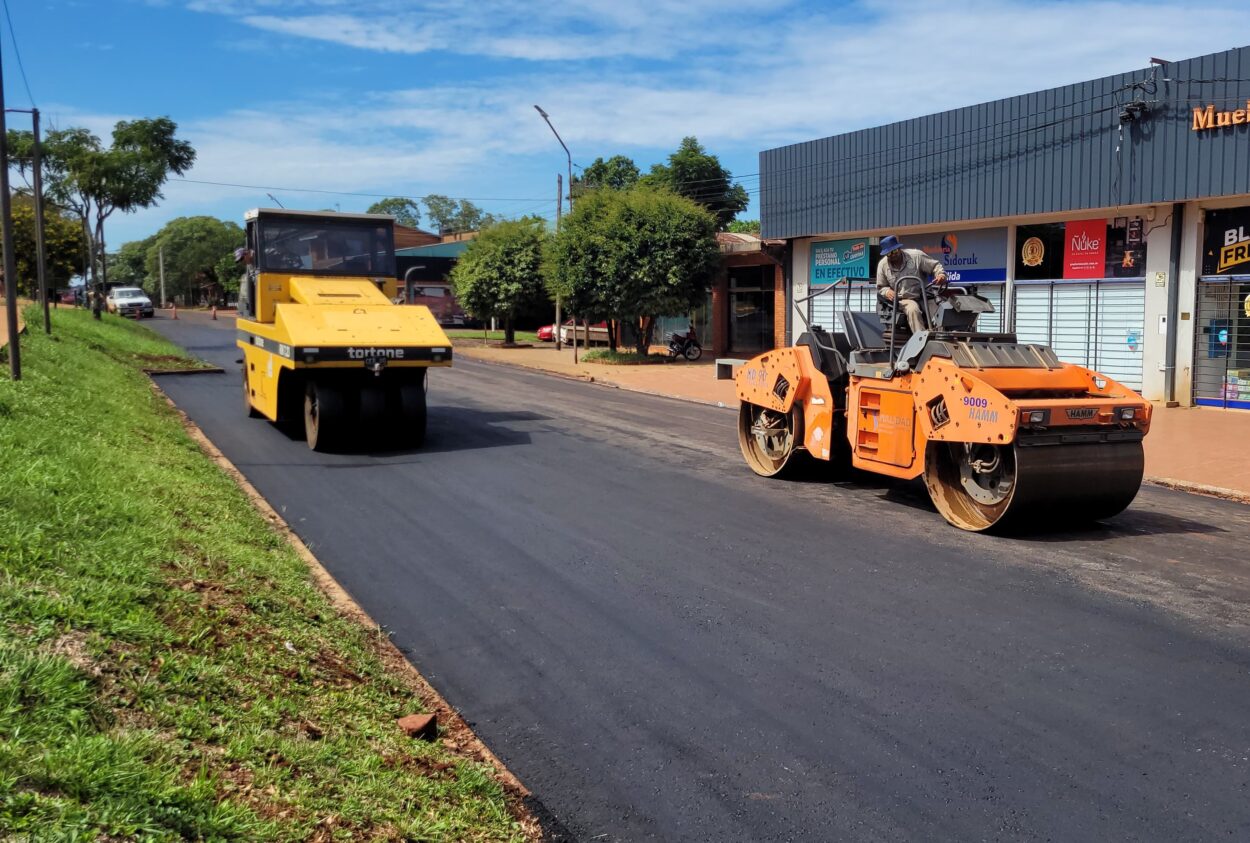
(833, 260)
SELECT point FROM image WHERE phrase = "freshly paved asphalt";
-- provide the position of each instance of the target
(663, 646)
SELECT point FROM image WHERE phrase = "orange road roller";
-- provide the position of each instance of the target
(1003, 432)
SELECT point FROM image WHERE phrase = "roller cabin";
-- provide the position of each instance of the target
(1003, 432)
(323, 344)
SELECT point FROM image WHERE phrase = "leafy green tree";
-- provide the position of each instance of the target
(455, 216)
(94, 181)
(500, 272)
(405, 211)
(633, 255)
(745, 227)
(128, 265)
(618, 173)
(194, 251)
(63, 246)
(695, 173)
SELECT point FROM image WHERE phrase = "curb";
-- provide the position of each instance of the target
(451, 723)
(1165, 482)
(1200, 489)
(208, 370)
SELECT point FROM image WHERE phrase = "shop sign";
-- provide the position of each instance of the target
(1085, 248)
(968, 257)
(833, 260)
(1209, 118)
(1226, 242)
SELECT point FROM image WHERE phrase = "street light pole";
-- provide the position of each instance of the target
(569, 156)
(10, 264)
(41, 259)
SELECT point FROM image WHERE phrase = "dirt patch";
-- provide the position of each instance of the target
(72, 646)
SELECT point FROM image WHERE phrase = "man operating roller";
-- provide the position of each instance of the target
(896, 263)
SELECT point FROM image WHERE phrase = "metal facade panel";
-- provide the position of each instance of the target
(1062, 149)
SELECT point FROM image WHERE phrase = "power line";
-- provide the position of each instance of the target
(17, 52)
(351, 193)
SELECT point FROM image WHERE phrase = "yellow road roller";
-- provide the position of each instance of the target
(322, 341)
(1003, 432)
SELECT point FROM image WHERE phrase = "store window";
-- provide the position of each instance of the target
(1222, 332)
(1080, 290)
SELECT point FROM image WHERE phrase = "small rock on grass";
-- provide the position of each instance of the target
(421, 726)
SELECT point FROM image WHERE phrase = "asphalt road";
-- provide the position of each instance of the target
(662, 645)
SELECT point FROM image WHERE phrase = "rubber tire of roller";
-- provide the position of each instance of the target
(330, 427)
(252, 412)
(412, 413)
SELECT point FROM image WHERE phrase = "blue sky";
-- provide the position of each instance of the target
(404, 98)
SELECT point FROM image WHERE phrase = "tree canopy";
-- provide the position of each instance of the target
(618, 173)
(744, 227)
(198, 251)
(94, 181)
(63, 245)
(633, 255)
(695, 173)
(405, 211)
(455, 216)
(500, 272)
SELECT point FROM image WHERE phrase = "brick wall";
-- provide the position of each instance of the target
(720, 313)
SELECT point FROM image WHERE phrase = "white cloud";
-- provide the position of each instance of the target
(746, 82)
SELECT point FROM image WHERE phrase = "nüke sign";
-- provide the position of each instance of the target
(1209, 118)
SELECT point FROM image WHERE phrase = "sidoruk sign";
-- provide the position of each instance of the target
(1209, 118)
(969, 257)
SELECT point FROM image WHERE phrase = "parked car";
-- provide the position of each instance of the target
(598, 333)
(547, 333)
(125, 301)
(442, 304)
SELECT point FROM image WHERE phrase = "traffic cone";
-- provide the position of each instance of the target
(214, 311)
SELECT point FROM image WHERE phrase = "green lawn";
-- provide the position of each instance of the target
(622, 358)
(492, 336)
(167, 668)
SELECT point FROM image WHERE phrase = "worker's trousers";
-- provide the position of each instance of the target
(915, 319)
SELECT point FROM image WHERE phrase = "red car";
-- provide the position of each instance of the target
(547, 333)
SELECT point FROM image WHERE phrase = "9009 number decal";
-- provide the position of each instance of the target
(970, 401)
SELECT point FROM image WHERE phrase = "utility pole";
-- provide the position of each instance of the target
(41, 258)
(6, 231)
(559, 206)
(160, 254)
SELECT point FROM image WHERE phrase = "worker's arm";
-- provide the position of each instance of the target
(883, 284)
(930, 266)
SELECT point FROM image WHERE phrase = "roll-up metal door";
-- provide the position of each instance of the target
(1096, 324)
(1222, 342)
(826, 310)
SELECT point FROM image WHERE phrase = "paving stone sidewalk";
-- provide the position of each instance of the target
(1191, 447)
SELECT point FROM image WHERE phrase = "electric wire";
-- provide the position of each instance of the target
(18, 53)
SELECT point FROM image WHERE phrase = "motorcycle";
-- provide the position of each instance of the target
(685, 345)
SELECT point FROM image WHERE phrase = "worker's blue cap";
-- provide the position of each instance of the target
(889, 243)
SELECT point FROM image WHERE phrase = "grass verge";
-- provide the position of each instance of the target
(168, 670)
(622, 358)
(491, 336)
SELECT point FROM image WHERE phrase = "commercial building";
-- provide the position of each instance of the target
(1109, 219)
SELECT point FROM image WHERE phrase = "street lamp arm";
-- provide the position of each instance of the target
(547, 120)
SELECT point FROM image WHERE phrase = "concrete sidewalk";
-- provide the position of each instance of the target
(1197, 448)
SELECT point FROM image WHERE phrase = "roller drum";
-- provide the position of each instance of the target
(1010, 487)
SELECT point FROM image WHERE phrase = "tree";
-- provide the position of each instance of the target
(633, 255)
(128, 265)
(453, 216)
(194, 251)
(618, 173)
(744, 227)
(693, 172)
(405, 211)
(62, 239)
(501, 271)
(94, 182)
